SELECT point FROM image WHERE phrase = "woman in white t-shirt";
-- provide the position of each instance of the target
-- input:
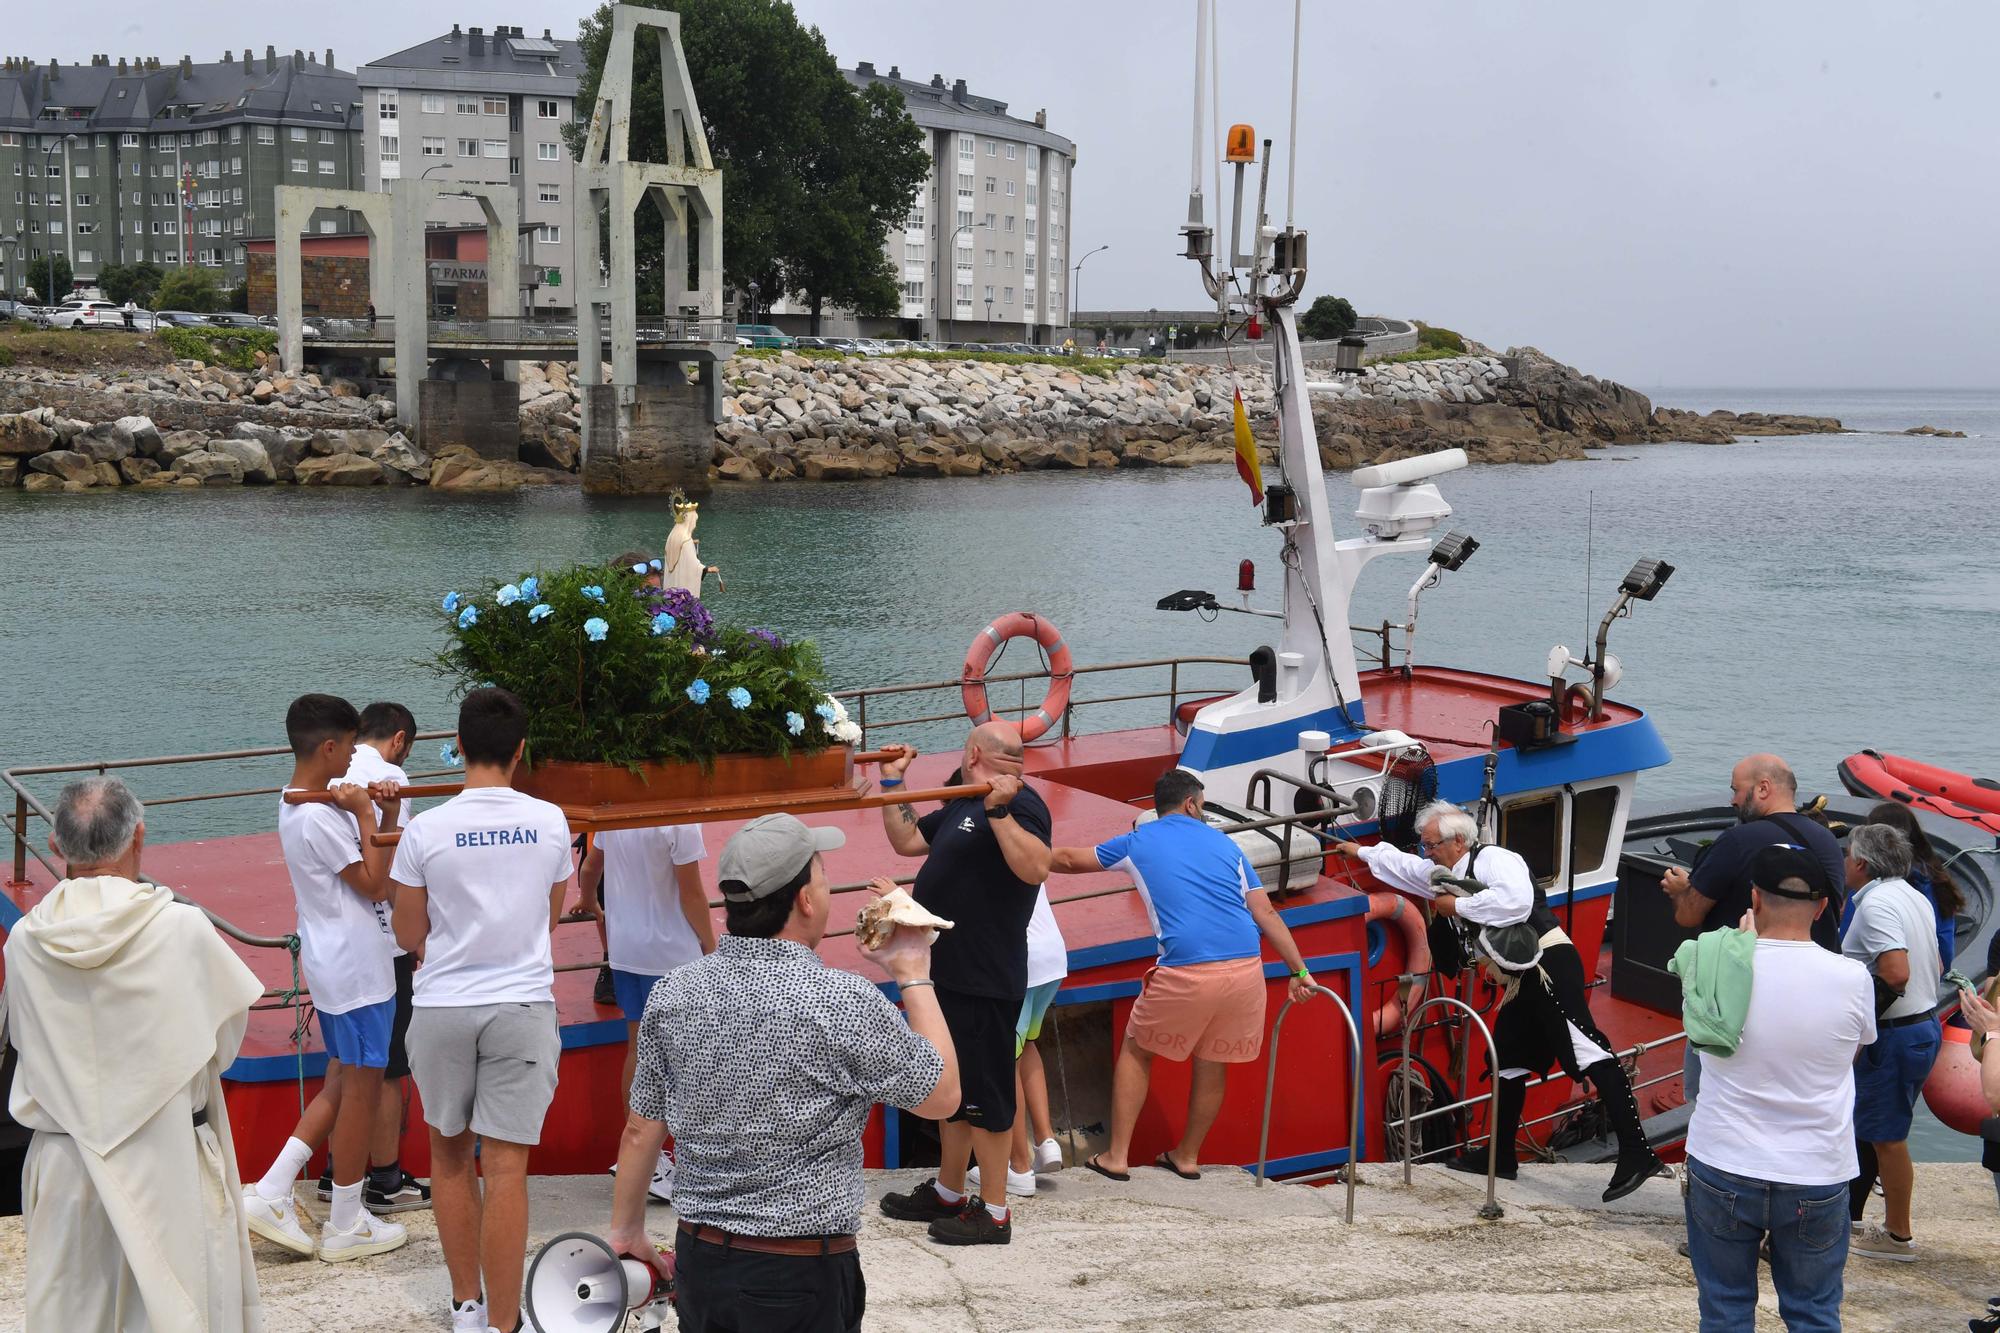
(1048, 964)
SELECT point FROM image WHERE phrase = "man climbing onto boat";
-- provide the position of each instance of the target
(1716, 893)
(985, 858)
(1545, 1020)
(124, 1007)
(1205, 1000)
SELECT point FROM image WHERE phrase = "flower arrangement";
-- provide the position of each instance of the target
(613, 670)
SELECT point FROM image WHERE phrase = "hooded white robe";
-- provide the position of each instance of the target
(683, 567)
(125, 1007)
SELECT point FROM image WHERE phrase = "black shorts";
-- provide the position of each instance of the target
(399, 1026)
(982, 1031)
(723, 1290)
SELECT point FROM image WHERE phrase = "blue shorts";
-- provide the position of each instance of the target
(359, 1037)
(1889, 1075)
(1033, 1006)
(632, 988)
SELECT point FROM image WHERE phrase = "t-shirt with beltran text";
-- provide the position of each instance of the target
(645, 929)
(1193, 879)
(966, 880)
(368, 766)
(487, 860)
(342, 950)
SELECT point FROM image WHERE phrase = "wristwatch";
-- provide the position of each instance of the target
(999, 812)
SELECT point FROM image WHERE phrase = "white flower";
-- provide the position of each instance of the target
(847, 733)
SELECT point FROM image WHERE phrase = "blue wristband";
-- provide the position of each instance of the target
(891, 782)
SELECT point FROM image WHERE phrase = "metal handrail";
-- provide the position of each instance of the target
(1491, 1209)
(1353, 1165)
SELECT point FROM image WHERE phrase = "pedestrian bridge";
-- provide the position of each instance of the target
(522, 338)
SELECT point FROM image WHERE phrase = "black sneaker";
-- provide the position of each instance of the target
(326, 1185)
(1473, 1163)
(921, 1204)
(604, 993)
(406, 1193)
(973, 1225)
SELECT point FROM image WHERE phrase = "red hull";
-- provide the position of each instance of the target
(1091, 784)
(1891, 777)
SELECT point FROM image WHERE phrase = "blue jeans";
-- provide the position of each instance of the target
(1729, 1215)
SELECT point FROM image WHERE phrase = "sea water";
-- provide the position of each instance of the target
(1830, 592)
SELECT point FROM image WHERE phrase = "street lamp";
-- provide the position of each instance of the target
(953, 318)
(1077, 277)
(753, 303)
(989, 317)
(8, 244)
(69, 217)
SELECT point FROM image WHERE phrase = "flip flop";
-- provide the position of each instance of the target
(1166, 1163)
(1105, 1171)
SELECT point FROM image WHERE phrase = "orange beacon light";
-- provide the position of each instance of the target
(1242, 144)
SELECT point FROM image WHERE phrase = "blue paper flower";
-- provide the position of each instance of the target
(641, 568)
(450, 602)
(468, 617)
(450, 755)
(595, 629)
(698, 691)
(593, 591)
(530, 587)
(508, 595)
(825, 712)
(541, 611)
(739, 698)
(663, 623)
(656, 564)
(794, 723)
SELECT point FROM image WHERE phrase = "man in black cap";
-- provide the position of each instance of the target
(1771, 1146)
(764, 1062)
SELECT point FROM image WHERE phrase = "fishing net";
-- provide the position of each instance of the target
(1411, 785)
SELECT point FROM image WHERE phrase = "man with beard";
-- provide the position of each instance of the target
(1716, 893)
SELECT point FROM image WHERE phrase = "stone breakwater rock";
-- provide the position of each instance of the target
(1936, 431)
(458, 468)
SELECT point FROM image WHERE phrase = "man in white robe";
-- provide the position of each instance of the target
(125, 1006)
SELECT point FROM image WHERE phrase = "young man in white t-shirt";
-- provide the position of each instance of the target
(337, 876)
(388, 730)
(656, 918)
(479, 883)
(1035, 1151)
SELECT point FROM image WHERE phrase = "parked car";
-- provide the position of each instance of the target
(86, 315)
(871, 347)
(894, 345)
(763, 335)
(807, 344)
(841, 345)
(229, 319)
(179, 319)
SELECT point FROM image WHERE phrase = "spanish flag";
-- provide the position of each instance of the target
(1246, 454)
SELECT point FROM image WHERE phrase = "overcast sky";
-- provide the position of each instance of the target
(1702, 192)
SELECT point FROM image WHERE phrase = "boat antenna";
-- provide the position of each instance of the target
(1292, 143)
(1589, 550)
(1197, 171)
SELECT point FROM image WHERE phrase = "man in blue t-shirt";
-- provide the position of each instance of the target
(1205, 1000)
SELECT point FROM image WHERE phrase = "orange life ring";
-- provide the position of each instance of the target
(1416, 957)
(1017, 625)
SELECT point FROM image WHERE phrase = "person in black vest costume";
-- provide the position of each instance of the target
(1544, 1017)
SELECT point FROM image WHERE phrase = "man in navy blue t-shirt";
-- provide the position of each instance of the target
(1205, 1000)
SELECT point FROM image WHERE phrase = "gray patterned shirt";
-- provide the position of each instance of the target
(764, 1062)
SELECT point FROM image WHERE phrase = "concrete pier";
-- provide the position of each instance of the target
(1222, 1254)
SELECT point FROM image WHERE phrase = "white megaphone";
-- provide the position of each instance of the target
(578, 1285)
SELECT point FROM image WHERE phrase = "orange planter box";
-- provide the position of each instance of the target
(570, 783)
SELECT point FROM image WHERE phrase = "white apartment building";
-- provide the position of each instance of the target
(486, 107)
(982, 253)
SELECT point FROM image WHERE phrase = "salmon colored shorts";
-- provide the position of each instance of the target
(1207, 1011)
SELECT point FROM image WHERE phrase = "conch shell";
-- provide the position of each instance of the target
(879, 919)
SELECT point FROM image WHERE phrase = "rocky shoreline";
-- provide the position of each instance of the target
(792, 417)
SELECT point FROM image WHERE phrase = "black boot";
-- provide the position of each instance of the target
(1637, 1162)
(1506, 1124)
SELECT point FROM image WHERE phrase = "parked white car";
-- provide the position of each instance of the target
(86, 315)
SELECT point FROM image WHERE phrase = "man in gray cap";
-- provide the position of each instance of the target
(764, 1062)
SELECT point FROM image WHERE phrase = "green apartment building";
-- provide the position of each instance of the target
(135, 161)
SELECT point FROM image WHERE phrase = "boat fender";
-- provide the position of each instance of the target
(1952, 1088)
(1017, 625)
(1395, 908)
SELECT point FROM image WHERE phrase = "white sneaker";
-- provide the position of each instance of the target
(1048, 1157)
(469, 1317)
(369, 1235)
(276, 1220)
(661, 1188)
(1877, 1243)
(1020, 1184)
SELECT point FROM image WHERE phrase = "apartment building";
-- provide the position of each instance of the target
(489, 107)
(136, 161)
(981, 255)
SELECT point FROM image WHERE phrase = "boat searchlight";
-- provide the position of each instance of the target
(1641, 584)
(1451, 552)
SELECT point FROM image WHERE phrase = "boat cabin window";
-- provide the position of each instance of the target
(1533, 829)
(1594, 811)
